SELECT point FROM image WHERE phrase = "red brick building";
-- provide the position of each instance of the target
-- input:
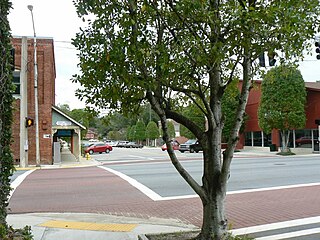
(46, 97)
(301, 139)
(52, 122)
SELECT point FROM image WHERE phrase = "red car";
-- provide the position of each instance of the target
(175, 146)
(98, 147)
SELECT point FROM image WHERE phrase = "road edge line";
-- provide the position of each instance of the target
(18, 181)
(275, 226)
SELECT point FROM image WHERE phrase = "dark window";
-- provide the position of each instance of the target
(267, 139)
(16, 82)
(257, 139)
(248, 139)
(303, 138)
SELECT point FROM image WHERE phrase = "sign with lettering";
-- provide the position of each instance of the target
(46, 136)
(63, 123)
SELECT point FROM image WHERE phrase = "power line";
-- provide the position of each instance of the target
(72, 48)
(62, 41)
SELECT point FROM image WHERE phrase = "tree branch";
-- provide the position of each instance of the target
(184, 173)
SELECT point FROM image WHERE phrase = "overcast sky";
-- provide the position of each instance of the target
(58, 19)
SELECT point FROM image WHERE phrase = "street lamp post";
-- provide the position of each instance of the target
(36, 110)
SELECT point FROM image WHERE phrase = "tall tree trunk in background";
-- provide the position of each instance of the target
(285, 136)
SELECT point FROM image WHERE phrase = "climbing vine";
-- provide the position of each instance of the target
(6, 88)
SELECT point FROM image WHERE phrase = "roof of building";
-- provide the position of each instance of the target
(313, 85)
(59, 111)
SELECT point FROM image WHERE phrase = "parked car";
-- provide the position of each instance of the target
(133, 145)
(113, 143)
(192, 145)
(175, 145)
(99, 147)
(122, 144)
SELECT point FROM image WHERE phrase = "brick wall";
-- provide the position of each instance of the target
(46, 98)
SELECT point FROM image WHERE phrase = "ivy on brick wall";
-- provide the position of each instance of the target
(6, 88)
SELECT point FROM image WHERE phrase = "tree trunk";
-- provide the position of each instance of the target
(214, 220)
(285, 141)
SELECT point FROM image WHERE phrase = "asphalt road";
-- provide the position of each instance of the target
(153, 169)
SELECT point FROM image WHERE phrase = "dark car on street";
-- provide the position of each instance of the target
(133, 145)
(98, 148)
(192, 145)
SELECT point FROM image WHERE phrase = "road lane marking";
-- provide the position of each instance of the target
(275, 226)
(135, 162)
(18, 181)
(112, 227)
(156, 197)
(291, 234)
(142, 188)
(245, 191)
(136, 156)
(273, 188)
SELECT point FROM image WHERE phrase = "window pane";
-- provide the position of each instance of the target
(257, 139)
(16, 82)
(315, 140)
(303, 138)
(267, 139)
(248, 139)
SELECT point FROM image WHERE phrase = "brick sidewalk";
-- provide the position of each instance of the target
(93, 190)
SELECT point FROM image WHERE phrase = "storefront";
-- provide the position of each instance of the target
(306, 139)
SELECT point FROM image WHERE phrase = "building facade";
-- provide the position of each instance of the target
(46, 97)
(53, 123)
(305, 139)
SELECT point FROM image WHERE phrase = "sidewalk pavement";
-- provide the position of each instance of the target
(68, 160)
(81, 226)
(88, 226)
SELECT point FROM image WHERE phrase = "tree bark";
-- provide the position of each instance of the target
(214, 220)
(285, 141)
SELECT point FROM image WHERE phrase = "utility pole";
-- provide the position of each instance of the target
(23, 104)
(319, 137)
(317, 121)
(35, 70)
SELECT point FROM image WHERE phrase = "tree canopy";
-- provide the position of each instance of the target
(152, 131)
(177, 53)
(283, 100)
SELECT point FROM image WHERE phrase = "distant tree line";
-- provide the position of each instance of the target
(143, 125)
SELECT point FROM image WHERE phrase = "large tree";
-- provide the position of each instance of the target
(282, 104)
(172, 53)
(140, 131)
(152, 131)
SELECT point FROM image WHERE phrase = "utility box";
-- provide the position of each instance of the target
(56, 153)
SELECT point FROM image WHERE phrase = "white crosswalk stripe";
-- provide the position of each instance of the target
(282, 230)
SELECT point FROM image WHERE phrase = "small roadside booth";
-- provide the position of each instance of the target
(63, 126)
